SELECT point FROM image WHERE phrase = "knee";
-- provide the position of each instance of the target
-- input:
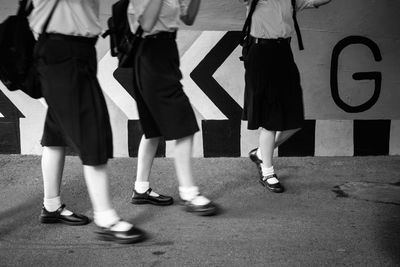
(54, 151)
(186, 139)
(155, 140)
(152, 140)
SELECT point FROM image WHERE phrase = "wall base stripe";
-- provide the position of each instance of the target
(394, 148)
(334, 138)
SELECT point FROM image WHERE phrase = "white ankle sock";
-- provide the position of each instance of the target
(267, 172)
(52, 204)
(272, 180)
(105, 218)
(122, 226)
(142, 187)
(200, 200)
(188, 193)
(109, 217)
(192, 194)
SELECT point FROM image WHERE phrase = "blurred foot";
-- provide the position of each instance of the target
(200, 205)
(121, 232)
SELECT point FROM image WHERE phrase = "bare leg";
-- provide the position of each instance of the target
(53, 159)
(98, 186)
(146, 154)
(183, 158)
(104, 214)
(282, 136)
(267, 145)
(142, 193)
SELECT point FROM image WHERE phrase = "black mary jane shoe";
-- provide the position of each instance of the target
(133, 235)
(275, 188)
(146, 198)
(208, 209)
(56, 217)
(254, 158)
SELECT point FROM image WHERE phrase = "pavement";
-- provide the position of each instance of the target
(337, 211)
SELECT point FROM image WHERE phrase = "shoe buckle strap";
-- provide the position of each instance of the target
(60, 209)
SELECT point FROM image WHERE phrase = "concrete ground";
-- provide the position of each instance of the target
(309, 225)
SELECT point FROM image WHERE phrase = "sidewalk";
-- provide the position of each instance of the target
(309, 225)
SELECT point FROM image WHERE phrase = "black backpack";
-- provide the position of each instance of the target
(16, 50)
(123, 42)
(17, 43)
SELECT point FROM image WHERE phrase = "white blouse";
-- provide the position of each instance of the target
(169, 17)
(71, 17)
(273, 18)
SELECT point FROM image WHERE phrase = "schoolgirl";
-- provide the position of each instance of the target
(77, 113)
(273, 99)
(164, 109)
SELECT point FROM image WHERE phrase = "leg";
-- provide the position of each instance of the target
(267, 145)
(53, 159)
(112, 227)
(263, 158)
(282, 136)
(98, 187)
(189, 192)
(142, 194)
(146, 154)
(183, 158)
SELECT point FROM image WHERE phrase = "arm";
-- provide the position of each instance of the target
(318, 3)
(150, 15)
(191, 13)
(303, 4)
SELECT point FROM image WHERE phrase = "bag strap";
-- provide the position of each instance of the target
(139, 31)
(247, 24)
(47, 22)
(25, 8)
(296, 25)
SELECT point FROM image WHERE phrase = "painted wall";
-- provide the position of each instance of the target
(350, 76)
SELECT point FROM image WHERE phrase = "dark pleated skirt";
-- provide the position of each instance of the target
(164, 109)
(273, 96)
(77, 114)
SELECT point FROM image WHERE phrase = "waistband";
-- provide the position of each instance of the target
(69, 38)
(270, 41)
(162, 35)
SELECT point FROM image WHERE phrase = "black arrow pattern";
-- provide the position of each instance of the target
(9, 126)
(220, 138)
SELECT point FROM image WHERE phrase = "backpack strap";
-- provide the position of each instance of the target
(25, 8)
(247, 24)
(119, 15)
(47, 22)
(296, 25)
